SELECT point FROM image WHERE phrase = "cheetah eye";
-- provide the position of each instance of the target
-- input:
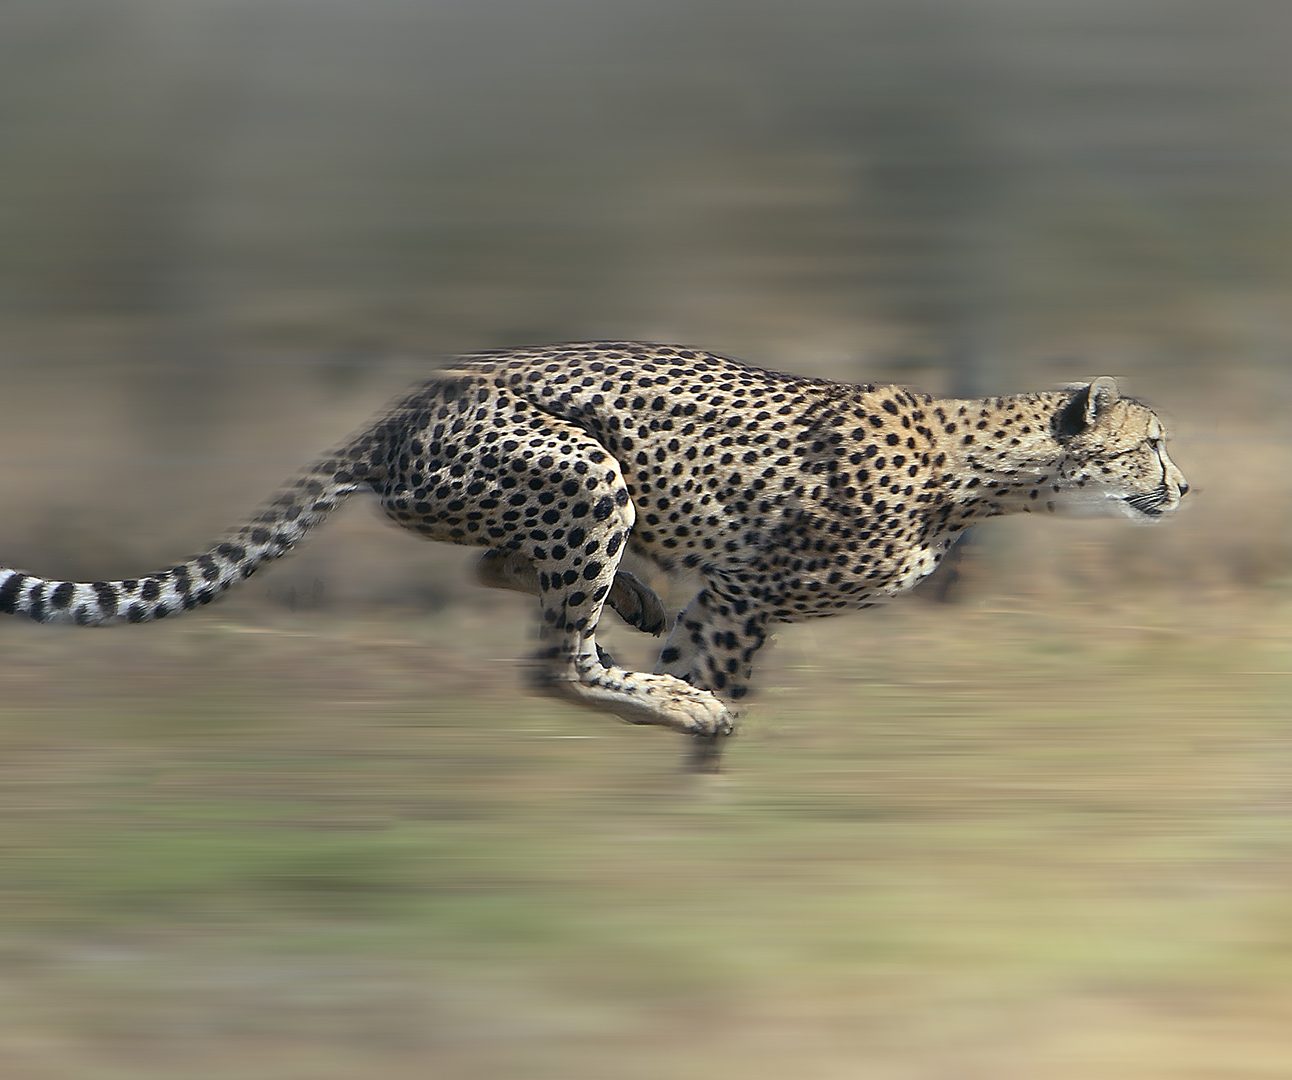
(1155, 444)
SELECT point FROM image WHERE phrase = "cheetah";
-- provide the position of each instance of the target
(788, 497)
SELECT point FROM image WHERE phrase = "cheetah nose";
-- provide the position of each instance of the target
(1184, 489)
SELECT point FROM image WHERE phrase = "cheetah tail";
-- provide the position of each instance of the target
(270, 534)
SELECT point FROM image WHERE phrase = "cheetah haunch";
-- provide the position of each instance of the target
(789, 497)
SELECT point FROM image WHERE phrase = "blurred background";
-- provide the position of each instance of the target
(1033, 824)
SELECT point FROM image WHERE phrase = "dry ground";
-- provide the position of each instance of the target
(953, 843)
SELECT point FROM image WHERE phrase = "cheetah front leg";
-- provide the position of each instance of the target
(712, 647)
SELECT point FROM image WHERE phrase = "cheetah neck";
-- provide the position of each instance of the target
(1002, 454)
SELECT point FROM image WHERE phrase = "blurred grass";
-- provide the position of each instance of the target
(952, 842)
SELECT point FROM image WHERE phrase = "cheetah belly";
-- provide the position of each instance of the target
(811, 600)
(914, 569)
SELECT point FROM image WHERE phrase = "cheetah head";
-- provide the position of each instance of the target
(1115, 455)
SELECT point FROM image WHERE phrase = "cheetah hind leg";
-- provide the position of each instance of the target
(630, 598)
(572, 666)
(576, 669)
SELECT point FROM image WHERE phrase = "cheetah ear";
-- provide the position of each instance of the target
(1099, 396)
(1087, 406)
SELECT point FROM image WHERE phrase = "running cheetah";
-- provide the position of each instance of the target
(790, 498)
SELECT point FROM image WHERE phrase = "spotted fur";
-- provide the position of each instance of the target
(789, 497)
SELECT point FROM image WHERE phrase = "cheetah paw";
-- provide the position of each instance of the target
(698, 713)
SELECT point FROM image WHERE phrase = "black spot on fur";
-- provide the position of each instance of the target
(36, 602)
(9, 593)
(107, 597)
